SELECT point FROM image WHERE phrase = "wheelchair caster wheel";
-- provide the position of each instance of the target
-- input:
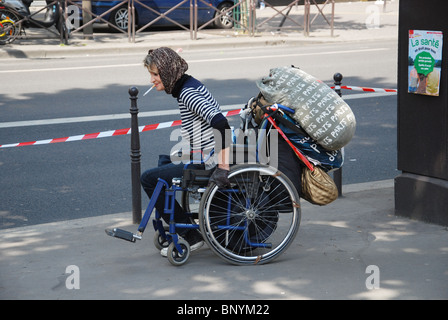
(174, 257)
(160, 241)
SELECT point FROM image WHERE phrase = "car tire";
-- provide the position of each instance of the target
(225, 21)
(120, 18)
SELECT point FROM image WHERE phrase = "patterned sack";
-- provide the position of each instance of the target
(318, 109)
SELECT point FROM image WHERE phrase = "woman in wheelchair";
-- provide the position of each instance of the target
(200, 115)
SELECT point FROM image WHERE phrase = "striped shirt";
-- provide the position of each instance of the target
(197, 109)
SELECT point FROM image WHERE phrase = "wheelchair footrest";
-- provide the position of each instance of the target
(123, 234)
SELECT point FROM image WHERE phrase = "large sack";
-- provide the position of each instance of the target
(318, 109)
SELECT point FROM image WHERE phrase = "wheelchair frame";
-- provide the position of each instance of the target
(252, 222)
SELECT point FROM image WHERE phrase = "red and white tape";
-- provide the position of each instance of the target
(156, 126)
(105, 134)
(366, 89)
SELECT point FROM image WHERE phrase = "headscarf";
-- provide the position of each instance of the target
(170, 65)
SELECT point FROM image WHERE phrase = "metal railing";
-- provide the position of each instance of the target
(280, 12)
(285, 14)
(309, 22)
(163, 15)
(20, 22)
(242, 14)
(238, 5)
(95, 17)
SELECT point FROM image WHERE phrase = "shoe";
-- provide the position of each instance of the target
(193, 238)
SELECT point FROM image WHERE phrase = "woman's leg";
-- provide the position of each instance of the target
(167, 172)
(149, 181)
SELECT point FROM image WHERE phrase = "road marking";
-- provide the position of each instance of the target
(118, 116)
(149, 114)
(128, 65)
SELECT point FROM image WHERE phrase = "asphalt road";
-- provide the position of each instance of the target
(54, 182)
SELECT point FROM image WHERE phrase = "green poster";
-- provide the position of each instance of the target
(425, 60)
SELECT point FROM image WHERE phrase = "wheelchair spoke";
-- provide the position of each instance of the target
(254, 220)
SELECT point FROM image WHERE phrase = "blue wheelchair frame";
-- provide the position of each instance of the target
(170, 198)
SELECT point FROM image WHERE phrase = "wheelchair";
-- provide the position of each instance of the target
(251, 222)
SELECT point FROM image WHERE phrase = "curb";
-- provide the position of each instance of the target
(85, 48)
(125, 218)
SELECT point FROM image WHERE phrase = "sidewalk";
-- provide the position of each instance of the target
(353, 21)
(328, 259)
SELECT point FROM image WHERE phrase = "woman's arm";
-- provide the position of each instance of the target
(220, 175)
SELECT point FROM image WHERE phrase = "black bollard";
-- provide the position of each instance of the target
(337, 77)
(337, 174)
(135, 159)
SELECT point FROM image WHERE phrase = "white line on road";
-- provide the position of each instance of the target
(276, 56)
(147, 114)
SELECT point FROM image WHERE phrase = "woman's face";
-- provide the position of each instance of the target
(155, 78)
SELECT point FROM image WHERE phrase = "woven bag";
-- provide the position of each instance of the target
(318, 187)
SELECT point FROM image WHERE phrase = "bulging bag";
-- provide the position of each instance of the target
(318, 187)
(318, 109)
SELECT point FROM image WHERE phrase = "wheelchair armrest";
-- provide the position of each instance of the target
(196, 177)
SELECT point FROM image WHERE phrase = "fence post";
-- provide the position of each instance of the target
(191, 20)
(133, 20)
(135, 159)
(87, 17)
(337, 174)
(306, 18)
(63, 28)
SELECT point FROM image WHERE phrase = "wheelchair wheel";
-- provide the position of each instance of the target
(174, 257)
(161, 241)
(253, 221)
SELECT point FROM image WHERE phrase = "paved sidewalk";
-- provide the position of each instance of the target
(354, 21)
(328, 259)
(335, 245)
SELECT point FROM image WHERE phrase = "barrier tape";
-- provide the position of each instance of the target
(366, 89)
(111, 133)
(156, 126)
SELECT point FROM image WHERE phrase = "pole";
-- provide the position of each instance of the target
(135, 159)
(306, 19)
(87, 17)
(337, 174)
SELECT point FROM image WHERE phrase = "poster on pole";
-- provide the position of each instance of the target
(425, 61)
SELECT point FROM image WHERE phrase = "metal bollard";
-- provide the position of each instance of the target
(337, 174)
(135, 159)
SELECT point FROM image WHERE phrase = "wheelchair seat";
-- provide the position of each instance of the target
(196, 178)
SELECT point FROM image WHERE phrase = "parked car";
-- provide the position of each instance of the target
(119, 16)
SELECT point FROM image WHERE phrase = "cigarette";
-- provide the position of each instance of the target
(149, 90)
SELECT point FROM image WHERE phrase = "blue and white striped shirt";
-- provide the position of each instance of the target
(197, 109)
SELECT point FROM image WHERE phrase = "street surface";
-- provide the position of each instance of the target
(76, 96)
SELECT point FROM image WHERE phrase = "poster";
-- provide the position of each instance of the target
(425, 60)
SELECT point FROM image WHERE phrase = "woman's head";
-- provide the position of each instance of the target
(165, 67)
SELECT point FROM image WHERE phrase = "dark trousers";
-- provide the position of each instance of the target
(165, 170)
